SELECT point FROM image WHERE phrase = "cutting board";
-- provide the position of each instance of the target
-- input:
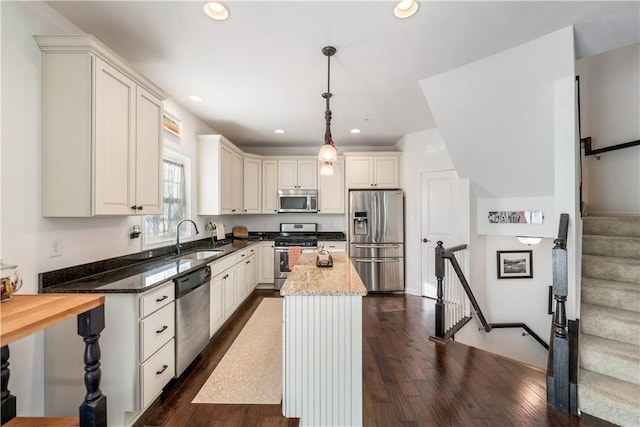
(240, 232)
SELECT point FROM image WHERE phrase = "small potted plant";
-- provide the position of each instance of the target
(323, 256)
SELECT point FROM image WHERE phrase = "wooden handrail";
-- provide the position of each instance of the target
(588, 151)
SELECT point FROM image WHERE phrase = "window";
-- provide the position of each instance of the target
(161, 228)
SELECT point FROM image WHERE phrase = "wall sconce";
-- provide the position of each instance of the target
(135, 233)
(528, 240)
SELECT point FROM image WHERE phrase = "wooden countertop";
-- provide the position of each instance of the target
(26, 314)
(309, 280)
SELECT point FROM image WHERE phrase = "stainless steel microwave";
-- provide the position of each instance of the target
(297, 201)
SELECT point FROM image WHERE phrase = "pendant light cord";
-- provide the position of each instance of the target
(328, 139)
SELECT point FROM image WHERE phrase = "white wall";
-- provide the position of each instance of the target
(508, 122)
(25, 234)
(421, 152)
(610, 114)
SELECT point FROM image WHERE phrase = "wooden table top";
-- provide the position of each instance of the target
(26, 314)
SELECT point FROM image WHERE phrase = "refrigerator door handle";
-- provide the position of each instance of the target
(377, 260)
(368, 246)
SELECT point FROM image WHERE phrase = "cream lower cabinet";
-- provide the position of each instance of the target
(102, 132)
(220, 176)
(266, 255)
(137, 356)
(232, 281)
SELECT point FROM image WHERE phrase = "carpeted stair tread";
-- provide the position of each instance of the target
(609, 268)
(614, 246)
(609, 398)
(611, 323)
(611, 226)
(622, 295)
(608, 357)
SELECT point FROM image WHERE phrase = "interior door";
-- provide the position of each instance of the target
(438, 193)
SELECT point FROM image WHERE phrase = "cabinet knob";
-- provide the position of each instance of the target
(425, 240)
(248, 262)
(140, 207)
(134, 207)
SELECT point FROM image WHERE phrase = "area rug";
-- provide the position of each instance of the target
(251, 370)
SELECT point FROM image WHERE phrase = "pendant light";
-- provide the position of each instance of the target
(328, 153)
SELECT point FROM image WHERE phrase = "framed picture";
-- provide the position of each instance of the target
(171, 124)
(515, 264)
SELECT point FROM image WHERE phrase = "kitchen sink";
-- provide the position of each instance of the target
(206, 254)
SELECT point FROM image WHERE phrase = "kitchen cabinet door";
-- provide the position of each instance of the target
(308, 174)
(287, 174)
(251, 274)
(266, 262)
(114, 141)
(237, 184)
(148, 154)
(331, 191)
(216, 303)
(359, 172)
(269, 186)
(252, 185)
(241, 282)
(386, 172)
(229, 292)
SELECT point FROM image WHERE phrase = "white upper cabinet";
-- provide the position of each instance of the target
(331, 190)
(373, 170)
(298, 174)
(252, 185)
(220, 176)
(102, 145)
(269, 186)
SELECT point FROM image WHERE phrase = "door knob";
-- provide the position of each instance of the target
(425, 240)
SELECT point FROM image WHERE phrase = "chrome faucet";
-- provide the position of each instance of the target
(178, 232)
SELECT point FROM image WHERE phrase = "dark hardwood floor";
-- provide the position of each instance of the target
(408, 380)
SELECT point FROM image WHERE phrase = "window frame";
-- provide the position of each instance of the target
(181, 159)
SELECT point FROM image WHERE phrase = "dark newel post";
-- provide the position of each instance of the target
(8, 400)
(93, 411)
(440, 302)
(560, 341)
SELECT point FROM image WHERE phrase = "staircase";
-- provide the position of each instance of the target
(609, 376)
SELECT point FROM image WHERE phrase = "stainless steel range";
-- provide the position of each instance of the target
(291, 234)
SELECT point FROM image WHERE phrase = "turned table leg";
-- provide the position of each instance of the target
(93, 411)
(8, 409)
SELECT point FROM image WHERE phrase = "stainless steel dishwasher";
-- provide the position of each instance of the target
(192, 316)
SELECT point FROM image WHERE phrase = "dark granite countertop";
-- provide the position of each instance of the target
(138, 276)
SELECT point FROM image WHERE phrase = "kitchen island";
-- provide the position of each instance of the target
(322, 343)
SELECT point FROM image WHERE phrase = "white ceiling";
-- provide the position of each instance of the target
(263, 68)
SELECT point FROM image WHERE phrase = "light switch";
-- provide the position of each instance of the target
(55, 247)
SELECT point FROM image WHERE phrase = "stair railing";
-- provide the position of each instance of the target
(562, 362)
(454, 292)
(588, 151)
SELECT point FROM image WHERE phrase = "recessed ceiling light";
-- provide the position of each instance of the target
(355, 130)
(405, 9)
(279, 131)
(215, 10)
(195, 98)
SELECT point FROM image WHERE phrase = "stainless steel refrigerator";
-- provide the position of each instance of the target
(376, 238)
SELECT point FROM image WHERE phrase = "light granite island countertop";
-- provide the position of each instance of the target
(322, 343)
(307, 279)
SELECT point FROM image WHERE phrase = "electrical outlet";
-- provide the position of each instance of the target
(55, 247)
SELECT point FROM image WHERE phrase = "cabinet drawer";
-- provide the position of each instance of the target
(156, 299)
(242, 255)
(156, 330)
(156, 372)
(334, 245)
(218, 267)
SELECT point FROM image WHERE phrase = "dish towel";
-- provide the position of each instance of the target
(220, 233)
(294, 254)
